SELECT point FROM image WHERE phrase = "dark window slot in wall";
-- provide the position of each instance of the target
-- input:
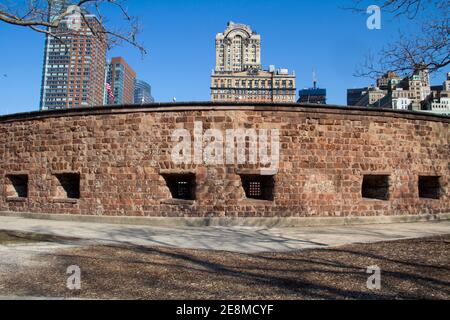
(375, 187)
(181, 186)
(68, 186)
(429, 187)
(17, 186)
(258, 187)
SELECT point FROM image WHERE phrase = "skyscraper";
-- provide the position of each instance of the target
(239, 76)
(238, 49)
(142, 92)
(355, 95)
(74, 63)
(446, 85)
(438, 101)
(313, 95)
(121, 78)
(57, 7)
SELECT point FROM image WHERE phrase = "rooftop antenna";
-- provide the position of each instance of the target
(314, 79)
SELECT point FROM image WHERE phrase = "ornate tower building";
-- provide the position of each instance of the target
(239, 75)
(238, 49)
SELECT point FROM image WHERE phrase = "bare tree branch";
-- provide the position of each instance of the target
(35, 15)
(430, 48)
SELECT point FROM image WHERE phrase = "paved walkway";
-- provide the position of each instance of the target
(249, 240)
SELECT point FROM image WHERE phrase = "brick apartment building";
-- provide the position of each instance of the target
(121, 77)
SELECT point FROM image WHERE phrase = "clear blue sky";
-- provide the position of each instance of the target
(179, 34)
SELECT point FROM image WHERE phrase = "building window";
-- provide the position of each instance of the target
(67, 186)
(181, 186)
(17, 186)
(258, 187)
(376, 187)
(429, 187)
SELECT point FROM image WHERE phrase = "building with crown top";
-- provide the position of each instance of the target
(239, 75)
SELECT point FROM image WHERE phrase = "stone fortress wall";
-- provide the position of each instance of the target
(116, 161)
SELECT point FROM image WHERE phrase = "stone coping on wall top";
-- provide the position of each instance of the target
(277, 222)
(224, 106)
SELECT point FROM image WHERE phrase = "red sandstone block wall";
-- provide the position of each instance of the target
(120, 155)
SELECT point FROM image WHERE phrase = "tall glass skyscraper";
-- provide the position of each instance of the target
(142, 93)
(74, 63)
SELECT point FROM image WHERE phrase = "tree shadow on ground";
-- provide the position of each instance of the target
(411, 269)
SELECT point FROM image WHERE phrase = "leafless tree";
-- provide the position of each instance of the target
(35, 14)
(429, 48)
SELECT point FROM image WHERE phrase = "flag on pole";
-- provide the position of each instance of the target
(109, 91)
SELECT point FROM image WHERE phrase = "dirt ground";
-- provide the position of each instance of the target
(410, 269)
(14, 237)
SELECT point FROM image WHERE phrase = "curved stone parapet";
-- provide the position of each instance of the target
(119, 161)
